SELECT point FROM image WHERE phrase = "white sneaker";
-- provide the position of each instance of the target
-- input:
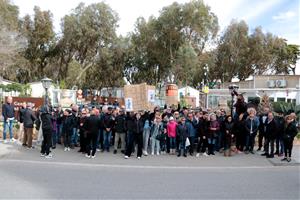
(5, 141)
(66, 149)
(152, 153)
(145, 153)
(87, 156)
(157, 153)
(43, 155)
(205, 154)
(138, 157)
(12, 140)
(198, 155)
(98, 150)
(94, 156)
(69, 149)
(126, 157)
(48, 156)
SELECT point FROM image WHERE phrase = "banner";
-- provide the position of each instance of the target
(151, 96)
(128, 104)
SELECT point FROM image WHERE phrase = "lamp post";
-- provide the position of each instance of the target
(46, 82)
(233, 91)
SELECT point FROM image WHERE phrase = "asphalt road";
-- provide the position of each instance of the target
(69, 175)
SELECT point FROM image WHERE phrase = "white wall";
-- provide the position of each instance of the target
(192, 93)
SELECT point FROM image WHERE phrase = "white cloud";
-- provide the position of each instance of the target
(284, 16)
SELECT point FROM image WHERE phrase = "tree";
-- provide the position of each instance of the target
(40, 42)
(89, 35)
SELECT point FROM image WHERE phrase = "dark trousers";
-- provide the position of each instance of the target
(250, 140)
(240, 142)
(260, 140)
(202, 145)
(192, 143)
(67, 138)
(47, 142)
(91, 143)
(269, 142)
(138, 138)
(82, 141)
(288, 147)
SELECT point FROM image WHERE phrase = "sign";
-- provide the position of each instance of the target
(151, 96)
(205, 89)
(128, 104)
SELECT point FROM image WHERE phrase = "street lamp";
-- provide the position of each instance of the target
(233, 91)
(46, 82)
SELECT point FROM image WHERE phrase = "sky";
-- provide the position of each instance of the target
(280, 17)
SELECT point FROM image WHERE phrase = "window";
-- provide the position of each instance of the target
(280, 99)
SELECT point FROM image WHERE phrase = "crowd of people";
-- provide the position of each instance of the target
(181, 131)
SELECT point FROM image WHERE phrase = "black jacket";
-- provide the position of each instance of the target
(120, 123)
(46, 119)
(290, 132)
(182, 131)
(280, 125)
(8, 111)
(271, 129)
(92, 124)
(21, 116)
(108, 121)
(67, 124)
(29, 118)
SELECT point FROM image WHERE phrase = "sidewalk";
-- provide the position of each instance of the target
(14, 151)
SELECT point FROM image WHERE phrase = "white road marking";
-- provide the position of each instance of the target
(142, 166)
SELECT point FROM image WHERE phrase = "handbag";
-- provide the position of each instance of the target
(160, 137)
(187, 142)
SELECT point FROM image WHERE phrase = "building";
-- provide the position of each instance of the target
(190, 93)
(279, 88)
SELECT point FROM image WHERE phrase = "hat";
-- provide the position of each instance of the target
(171, 118)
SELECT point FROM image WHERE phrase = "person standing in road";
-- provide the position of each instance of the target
(120, 131)
(289, 134)
(47, 128)
(91, 126)
(21, 120)
(251, 126)
(270, 135)
(182, 132)
(29, 119)
(8, 117)
(135, 127)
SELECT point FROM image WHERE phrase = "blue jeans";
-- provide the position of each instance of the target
(107, 138)
(54, 138)
(250, 141)
(74, 138)
(211, 140)
(58, 132)
(172, 143)
(8, 124)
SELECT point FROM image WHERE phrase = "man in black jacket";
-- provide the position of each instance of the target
(47, 128)
(21, 119)
(271, 132)
(262, 128)
(8, 117)
(28, 121)
(91, 126)
(120, 131)
(135, 127)
(108, 123)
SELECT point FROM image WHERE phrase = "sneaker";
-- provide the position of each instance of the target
(270, 156)
(252, 152)
(198, 155)
(98, 150)
(145, 153)
(264, 154)
(157, 153)
(87, 156)
(284, 159)
(289, 159)
(152, 154)
(43, 155)
(54, 147)
(205, 154)
(69, 149)
(5, 141)
(138, 157)
(48, 156)
(66, 149)
(115, 151)
(94, 156)
(126, 157)
(12, 140)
